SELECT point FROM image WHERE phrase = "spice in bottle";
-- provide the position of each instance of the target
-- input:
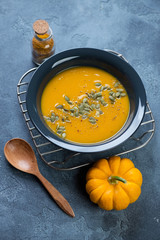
(42, 43)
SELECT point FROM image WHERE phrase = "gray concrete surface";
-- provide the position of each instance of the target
(27, 212)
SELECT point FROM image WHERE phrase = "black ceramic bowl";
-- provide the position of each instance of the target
(87, 57)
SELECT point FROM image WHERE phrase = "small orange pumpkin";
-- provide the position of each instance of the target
(114, 183)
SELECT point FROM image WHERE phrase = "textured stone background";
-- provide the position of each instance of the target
(26, 210)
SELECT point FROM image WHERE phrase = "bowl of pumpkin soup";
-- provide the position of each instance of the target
(86, 100)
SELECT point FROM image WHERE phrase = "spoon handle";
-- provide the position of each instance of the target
(56, 195)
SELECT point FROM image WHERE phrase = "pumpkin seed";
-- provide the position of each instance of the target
(53, 118)
(104, 103)
(93, 106)
(116, 84)
(75, 108)
(85, 100)
(102, 88)
(114, 95)
(84, 116)
(59, 106)
(72, 114)
(89, 95)
(99, 94)
(53, 114)
(123, 94)
(65, 110)
(105, 87)
(72, 110)
(99, 98)
(63, 135)
(100, 112)
(81, 112)
(112, 98)
(119, 90)
(97, 114)
(47, 118)
(97, 106)
(86, 109)
(109, 88)
(67, 98)
(111, 93)
(63, 119)
(61, 128)
(118, 94)
(98, 84)
(59, 131)
(70, 102)
(92, 118)
(92, 121)
(76, 113)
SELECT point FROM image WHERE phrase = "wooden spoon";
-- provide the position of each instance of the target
(21, 156)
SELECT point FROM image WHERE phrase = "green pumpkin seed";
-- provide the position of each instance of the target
(67, 98)
(61, 128)
(104, 103)
(105, 87)
(47, 118)
(97, 106)
(97, 84)
(93, 106)
(84, 116)
(112, 98)
(53, 118)
(123, 94)
(111, 93)
(87, 109)
(53, 114)
(75, 108)
(114, 95)
(63, 135)
(59, 106)
(116, 84)
(59, 131)
(76, 114)
(118, 94)
(72, 114)
(101, 89)
(92, 121)
(99, 94)
(100, 112)
(63, 119)
(70, 102)
(72, 110)
(97, 114)
(92, 118)
(119, 90)
(85, 100)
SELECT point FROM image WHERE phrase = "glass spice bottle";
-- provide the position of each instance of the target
(42, 43)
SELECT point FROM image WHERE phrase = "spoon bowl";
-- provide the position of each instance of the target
(21, 156)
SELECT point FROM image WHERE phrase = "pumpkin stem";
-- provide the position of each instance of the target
(115, 179)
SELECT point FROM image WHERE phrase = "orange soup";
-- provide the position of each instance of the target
(85, 105)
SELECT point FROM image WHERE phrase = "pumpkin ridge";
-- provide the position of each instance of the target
(101, 186)
(130, 197)
(104, 194)
(114, 199)
(112, 161)
(107, 165)
(127, 171)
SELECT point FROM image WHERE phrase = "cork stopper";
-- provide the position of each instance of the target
(40, 27)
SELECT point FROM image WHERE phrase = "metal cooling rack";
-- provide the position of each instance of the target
(61, 159)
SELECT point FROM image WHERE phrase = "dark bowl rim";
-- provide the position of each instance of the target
(73, 146)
